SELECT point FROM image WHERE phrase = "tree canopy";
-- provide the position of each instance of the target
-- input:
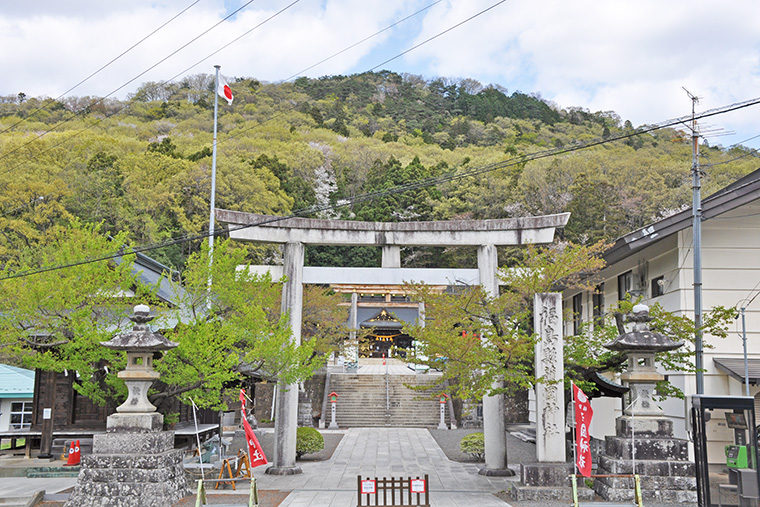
(55, 312)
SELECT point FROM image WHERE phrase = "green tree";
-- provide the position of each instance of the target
(585, 352)
(55, 319)
(228, 331)
(485, 338)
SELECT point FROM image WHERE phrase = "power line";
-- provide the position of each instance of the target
(41, 108)
(439, 34)
(80, 132)
(451, 176)
(72, 116)
(361, 41)
(277, 115)
(223, 47)
(232, 41)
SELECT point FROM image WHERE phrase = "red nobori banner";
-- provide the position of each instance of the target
(583, 414)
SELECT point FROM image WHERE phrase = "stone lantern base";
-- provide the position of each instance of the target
(137, 468)
(661, 461)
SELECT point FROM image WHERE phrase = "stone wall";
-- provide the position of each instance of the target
(516, 407)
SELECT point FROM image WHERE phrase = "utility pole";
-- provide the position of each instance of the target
(696, 210)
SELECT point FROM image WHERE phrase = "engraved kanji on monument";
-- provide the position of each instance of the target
(549, 367)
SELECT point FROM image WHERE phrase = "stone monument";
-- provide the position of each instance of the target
(644, 442)
(549, 365)
(134, 462)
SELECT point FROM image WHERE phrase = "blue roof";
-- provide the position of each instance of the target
(16, 382)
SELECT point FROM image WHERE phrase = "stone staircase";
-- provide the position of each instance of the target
(362, 400)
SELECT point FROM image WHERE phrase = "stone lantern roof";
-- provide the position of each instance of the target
(140, 338)
(641, 339)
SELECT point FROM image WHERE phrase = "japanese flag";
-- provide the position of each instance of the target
(224, 90)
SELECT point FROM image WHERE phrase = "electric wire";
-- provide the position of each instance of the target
(231, 42)
(449, 177)
(745, 155)
(241, 131)
(282, 113)
(438, 34)
(74, 115)
(98, 121)
(352, 46)
(41, 108)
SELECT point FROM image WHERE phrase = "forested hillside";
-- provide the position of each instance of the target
(143, 165)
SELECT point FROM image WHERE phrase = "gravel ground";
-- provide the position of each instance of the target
(331, 442)
(518, 451)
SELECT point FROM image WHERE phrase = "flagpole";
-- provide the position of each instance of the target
(213, 184)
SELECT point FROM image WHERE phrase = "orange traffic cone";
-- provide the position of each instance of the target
(75, 455)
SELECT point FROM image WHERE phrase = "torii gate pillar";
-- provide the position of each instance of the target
(391, 236)
(494, 428)
(286, 409)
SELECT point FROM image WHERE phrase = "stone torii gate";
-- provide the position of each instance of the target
(295, 233)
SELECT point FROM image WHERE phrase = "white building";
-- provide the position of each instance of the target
(16, 393)
(656, 263)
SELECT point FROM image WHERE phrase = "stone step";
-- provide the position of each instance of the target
(649, 468)
(647, 448)
(549, 493)
(52, 472)
(377, 400)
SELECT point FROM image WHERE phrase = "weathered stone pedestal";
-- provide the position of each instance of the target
(661, 460)
(133, 464)
(544, 482)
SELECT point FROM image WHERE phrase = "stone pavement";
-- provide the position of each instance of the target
(386, 452)
(371, 452)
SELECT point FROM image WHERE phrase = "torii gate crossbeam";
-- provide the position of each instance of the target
(295, 233)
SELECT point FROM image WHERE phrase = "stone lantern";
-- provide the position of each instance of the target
(134, 462)
(641, 344)
(643, 442)
(140, 344)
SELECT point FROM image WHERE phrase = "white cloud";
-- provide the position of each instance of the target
(631, 57)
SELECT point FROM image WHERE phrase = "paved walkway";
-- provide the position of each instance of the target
(386, 452)
(371, 452)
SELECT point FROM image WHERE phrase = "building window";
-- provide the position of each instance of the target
(625, 285)
(21, 415)
(577, 313)
(597, 300)
(658, 286)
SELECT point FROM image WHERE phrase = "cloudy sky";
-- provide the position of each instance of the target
(633, 57)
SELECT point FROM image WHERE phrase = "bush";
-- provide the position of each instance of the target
(474, 445)
(308, 440)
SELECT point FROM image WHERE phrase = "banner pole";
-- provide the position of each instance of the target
(198, 439)
(574, 429)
